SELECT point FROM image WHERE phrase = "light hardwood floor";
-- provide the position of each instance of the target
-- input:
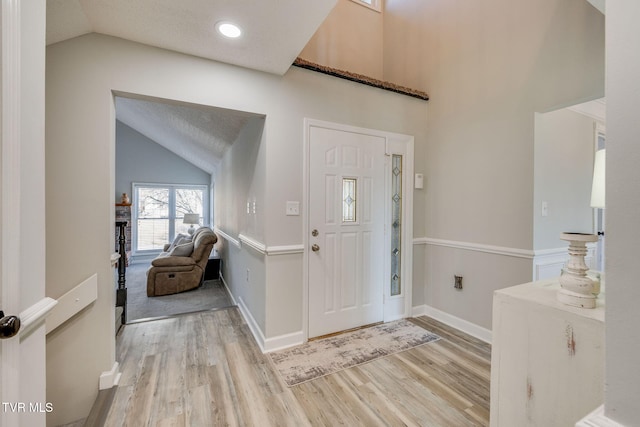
(205, 369)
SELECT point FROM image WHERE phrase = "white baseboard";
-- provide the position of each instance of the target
(266, 344)
(283, 341)
(597, 419)
(253, 325)
(110, 378)
(418, 310)
(248, 317)
(453, 321)
(226, 286)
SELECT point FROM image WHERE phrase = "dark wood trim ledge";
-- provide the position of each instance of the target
(358, 78)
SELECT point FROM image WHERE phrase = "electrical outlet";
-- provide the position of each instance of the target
(458, 282)
(248, 274)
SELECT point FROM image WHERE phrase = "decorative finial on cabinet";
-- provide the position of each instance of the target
(577, 288)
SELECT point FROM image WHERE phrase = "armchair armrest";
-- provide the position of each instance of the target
(171, 261)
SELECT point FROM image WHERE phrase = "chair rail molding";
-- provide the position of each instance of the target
(478, 247)
(228, 238)
(253, 244)
(285, 250)
(270, 250)
(547, 263)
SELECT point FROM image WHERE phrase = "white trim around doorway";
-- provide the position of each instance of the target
(394, 307)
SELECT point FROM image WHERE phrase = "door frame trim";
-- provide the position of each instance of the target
(395, 143)
(10, 193)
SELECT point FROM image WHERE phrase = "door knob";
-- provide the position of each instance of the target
(315, 248)
(9, 325)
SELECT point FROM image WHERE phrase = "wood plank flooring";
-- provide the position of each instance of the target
(204, 369)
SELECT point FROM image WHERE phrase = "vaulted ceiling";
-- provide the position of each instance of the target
(198, 134)
(274, 33)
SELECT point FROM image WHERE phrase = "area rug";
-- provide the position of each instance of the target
(326, 356)
(212, 294)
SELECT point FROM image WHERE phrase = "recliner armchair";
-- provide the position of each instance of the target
(170, 273)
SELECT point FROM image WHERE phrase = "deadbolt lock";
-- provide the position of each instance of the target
(314, 233)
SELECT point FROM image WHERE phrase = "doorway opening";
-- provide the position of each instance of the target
(167, 154)
(565, 146)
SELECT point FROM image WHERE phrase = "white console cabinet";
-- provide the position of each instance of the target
(547, 363)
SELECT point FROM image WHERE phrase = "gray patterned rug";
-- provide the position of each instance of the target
(316, 359)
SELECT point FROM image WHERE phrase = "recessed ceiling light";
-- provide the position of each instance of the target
(228, 29)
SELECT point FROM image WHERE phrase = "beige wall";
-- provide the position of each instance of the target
(79, 230)
(488, 68)
(240, 181)
(357, 30)
(81, 75)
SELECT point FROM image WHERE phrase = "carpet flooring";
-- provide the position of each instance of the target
(212, 294)
(325, 356)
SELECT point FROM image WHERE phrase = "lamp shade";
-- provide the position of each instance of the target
(191, 219)
(598, 187)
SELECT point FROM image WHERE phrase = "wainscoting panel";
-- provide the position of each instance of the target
(548, 263)
(484, 269)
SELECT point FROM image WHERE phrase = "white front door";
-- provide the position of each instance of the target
(346, 226)
(22, 206)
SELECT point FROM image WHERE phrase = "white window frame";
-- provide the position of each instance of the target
(172, 211)
(374, 5)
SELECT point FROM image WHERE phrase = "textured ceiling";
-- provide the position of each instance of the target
(198, 134)
(274, 33)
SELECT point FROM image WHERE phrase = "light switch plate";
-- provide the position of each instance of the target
(544, 211)
(293, 208)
